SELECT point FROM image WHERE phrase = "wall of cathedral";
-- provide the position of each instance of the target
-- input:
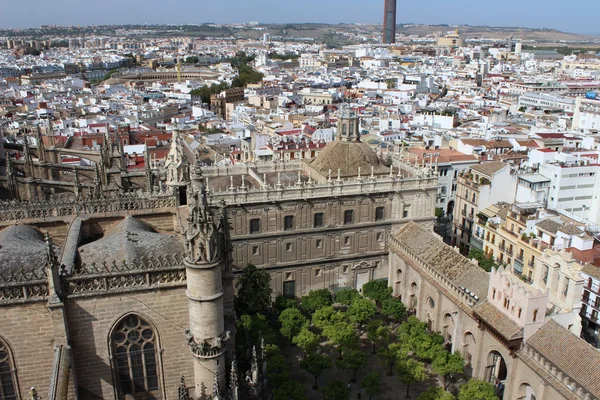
(29, 331)
(91, 321)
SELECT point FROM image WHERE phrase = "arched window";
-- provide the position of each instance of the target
(133, 344)
(8, 387)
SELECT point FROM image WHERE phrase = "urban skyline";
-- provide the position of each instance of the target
(550, 14)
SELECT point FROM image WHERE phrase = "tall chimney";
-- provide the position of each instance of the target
(389, 22)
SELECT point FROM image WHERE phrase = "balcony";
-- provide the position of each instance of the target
(463, 213)
(509, 251)
(470, 217)
(519, 258)
(502, 247)
(531, 264)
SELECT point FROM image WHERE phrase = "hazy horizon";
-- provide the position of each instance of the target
(551, 14)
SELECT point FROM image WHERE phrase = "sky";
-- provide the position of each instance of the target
(579, 16)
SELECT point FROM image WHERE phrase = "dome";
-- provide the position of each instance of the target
(22, 246)
(347, 157)
(128, 240)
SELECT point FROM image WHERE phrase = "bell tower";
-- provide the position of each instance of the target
(204, 261)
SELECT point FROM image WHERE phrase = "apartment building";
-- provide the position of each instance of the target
(590, 307)
(477, 188)
(587, 114)
(574, 186)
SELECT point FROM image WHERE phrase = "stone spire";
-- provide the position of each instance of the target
(11, 176)
(52, 273)
(233, 381)
(206, 336)
(40, 145)
(183, 392)
(148, 171)
(176, 162)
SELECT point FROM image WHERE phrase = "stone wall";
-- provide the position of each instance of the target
(91, 321)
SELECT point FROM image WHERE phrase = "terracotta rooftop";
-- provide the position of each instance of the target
(548, 225)
(570, 354)
(489, 168)
(500, 322)
(429, 247)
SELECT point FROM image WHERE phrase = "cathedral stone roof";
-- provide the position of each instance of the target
(129, 240)
(570, 354)
(430, 248)
(22, 246)
(347, 157)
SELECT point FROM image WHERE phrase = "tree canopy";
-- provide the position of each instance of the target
(372, 384)
(315, 364)
(346, 296)
(410, 371)
(436, 393)
(477, 390)
(485, 262)
(254, 291)
(335, 390)
(446, 364)
(352, 361)
(307, 340)
(393, 308)
(292, 322)
(377, 290)
(361, 311)
(316, 299)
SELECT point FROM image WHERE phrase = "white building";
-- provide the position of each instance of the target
(587, 114)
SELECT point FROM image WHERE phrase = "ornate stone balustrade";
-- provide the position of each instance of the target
(23, 285)
(96, 279)
(346, 187)
(106, 278)
(110, 202)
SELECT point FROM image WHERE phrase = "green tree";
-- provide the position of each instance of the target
(485, 262)
(439, 213)
(315, 364)
(289, 390)
(410, 371)
(377, 332)
(377, 290)
(252, 327)
(343, 335)
(393, 308)
(477, 390)
(277, 367)
(335, 390)
(347, 296)
(316, 299)
(436, 393)
(282, 302)
(326, 316)
(360, 311)
(445, 364)
(254, 291)
(246, 75)
(292, 322)
(352, 361)
(192, 60)
(372, 384)
(307, 340)
(390, 355)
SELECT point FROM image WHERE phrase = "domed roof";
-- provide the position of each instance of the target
(347, 157)
(128, 240)
(22, 246)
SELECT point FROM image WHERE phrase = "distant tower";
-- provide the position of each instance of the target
(518, 46)
(389, 22)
